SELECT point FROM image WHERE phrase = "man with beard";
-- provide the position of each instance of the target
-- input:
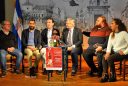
(31, 40)
(97, 43)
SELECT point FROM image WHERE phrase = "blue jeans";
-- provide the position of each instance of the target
(16, 53)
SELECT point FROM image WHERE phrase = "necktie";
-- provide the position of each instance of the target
(69, 39)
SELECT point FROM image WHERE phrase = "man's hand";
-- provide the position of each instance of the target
(99, 48)
(11, 49)
(32, 48)
(69, 48)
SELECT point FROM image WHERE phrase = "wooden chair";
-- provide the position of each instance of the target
(11, 62)
(125, 67)
(25, 63)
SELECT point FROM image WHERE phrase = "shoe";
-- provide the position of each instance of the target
(90, 73)
(3, 74)
(104, 78)
(100, 71)
(99, 74)
(45, 72)
(112, 77)
(59, 72)
(73, 73)
(17, 71)
(32, 72)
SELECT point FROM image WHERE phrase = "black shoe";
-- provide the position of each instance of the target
(90, 73)
(45, 72)
(73, 73)
(99, 74)
(112, 78)
(17, 71)
(3, 74)
(32, 72)
(59, 72)
(100, 71)
(104, 78)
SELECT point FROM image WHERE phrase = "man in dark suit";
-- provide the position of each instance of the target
(73, 38)
(46, 36)
(31, 40)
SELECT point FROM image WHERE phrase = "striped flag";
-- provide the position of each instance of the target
(17, 23)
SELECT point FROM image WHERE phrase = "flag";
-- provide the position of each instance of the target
(17, 23)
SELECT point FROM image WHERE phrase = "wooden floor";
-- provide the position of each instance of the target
(57, 80)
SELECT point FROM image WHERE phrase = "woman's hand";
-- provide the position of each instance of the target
(106, 56)
(121, 52)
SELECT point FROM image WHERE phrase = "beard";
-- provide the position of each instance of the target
(31, 27)
(98, 26)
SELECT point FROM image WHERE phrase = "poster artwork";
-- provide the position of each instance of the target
(53, 58)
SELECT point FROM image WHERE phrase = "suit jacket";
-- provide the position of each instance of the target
(77, 37)
(25, 36)
(44, 38)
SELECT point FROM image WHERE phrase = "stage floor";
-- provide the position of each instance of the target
(81, 79)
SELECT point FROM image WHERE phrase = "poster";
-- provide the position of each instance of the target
(53, 58)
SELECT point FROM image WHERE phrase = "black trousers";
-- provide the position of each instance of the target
(74, 54)
(110, 62)
(88, 57)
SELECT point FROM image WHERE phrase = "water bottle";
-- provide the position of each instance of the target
(50, 43)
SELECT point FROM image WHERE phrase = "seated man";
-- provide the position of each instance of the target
(31, 40)
(8, 44)
(97, 42)
(47, 35)
(73, 39)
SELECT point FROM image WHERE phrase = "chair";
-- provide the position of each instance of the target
(125, 67)
(118, 67)
(11, 62)
(25, 62)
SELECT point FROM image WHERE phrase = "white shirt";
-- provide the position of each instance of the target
(49, 35)
(119, 42)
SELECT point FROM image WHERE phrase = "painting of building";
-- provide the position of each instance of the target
(84, 12)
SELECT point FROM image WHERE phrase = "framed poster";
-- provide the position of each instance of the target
(53, 58)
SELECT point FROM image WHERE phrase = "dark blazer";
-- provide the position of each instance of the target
(44, 38)
(77, 37)
(25, 36)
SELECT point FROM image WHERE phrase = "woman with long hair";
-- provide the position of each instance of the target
(117, 49)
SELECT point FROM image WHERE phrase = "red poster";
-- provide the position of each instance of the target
(53, 58)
